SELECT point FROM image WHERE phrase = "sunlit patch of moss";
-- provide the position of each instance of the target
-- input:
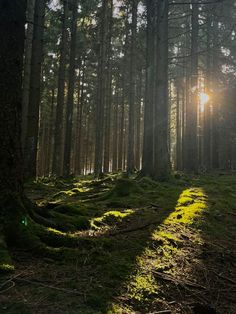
(110, 217)
(186, 213)
(65, 193)
(142, 286)
(185, 200)
(6, 268)
(164, 236)
(80, 189)
(5, 259)
(119, 309)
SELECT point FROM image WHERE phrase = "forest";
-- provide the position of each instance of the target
(117, 156)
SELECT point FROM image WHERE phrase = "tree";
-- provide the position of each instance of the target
(155, 155)
(102, 57)
(12, 32)
(131, 133)
(70, 96)
(58, 133)
(31, 142)
(191, 162)
(161, 153)
(27, 67)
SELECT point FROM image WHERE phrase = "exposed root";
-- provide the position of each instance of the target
(6, 264)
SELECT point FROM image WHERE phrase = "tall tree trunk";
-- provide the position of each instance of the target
(70, 96)
(191, 162)
(215, 107)
(31, 142)
(27, 68)
(148, 148)
(161, 153)
(178, 128)
(207, 107)
(50, 135)
(131, 130)
(187, 93)
(99, 134)
(108, 96)
(58, 134)
(12, 32)
(138, 122)
(79, 121)
(115, 133)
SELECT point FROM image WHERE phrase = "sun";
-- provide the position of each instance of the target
(203, 98)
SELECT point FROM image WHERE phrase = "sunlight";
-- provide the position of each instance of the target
(165, 246)
(190, 205)
(203, 99)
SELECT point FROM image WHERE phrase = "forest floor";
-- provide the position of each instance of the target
(138, 247)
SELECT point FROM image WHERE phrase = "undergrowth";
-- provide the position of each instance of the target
(115, 239)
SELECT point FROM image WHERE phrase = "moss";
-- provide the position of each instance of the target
(111, 218)
(147, 183)
(125, 187)
(142, 286)
(190, 205)
(55, 238)
(71, 223)
(6, 264)
(71, 209)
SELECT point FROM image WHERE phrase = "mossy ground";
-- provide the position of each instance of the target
(128, 246)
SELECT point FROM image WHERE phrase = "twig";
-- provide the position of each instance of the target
(112, 234)
(8, 288)
(168, 277)
(49, 286)
(223, 277)
(162, 312)
(10, 280)
(231, 213)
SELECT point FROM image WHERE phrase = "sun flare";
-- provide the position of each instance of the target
(203, 98)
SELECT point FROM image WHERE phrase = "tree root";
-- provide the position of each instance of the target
(20, 226)
(6, 264)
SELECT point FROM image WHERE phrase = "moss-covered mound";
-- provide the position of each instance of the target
(125, 187)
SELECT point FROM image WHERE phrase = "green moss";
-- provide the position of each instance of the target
(111, 218)
(125, 187)
(71, 209)
(71, 223)
(148, 183)
(142, 286)
(6, 264)
(191, 204)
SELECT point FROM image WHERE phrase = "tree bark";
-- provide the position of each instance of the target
(70, 96)
(148, 147)
(27, 68)
(58, 133)
(161, 153)
(99, 135)
(191, 162)
(131, 123)
(31, 142)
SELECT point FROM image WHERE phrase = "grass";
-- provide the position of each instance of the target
(136, 231)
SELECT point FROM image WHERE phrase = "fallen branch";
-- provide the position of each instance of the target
(162, 312)
(224, 277)
(48, 286)
(8, 288)
(168, 277)
(10, 280)
(112, 234)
